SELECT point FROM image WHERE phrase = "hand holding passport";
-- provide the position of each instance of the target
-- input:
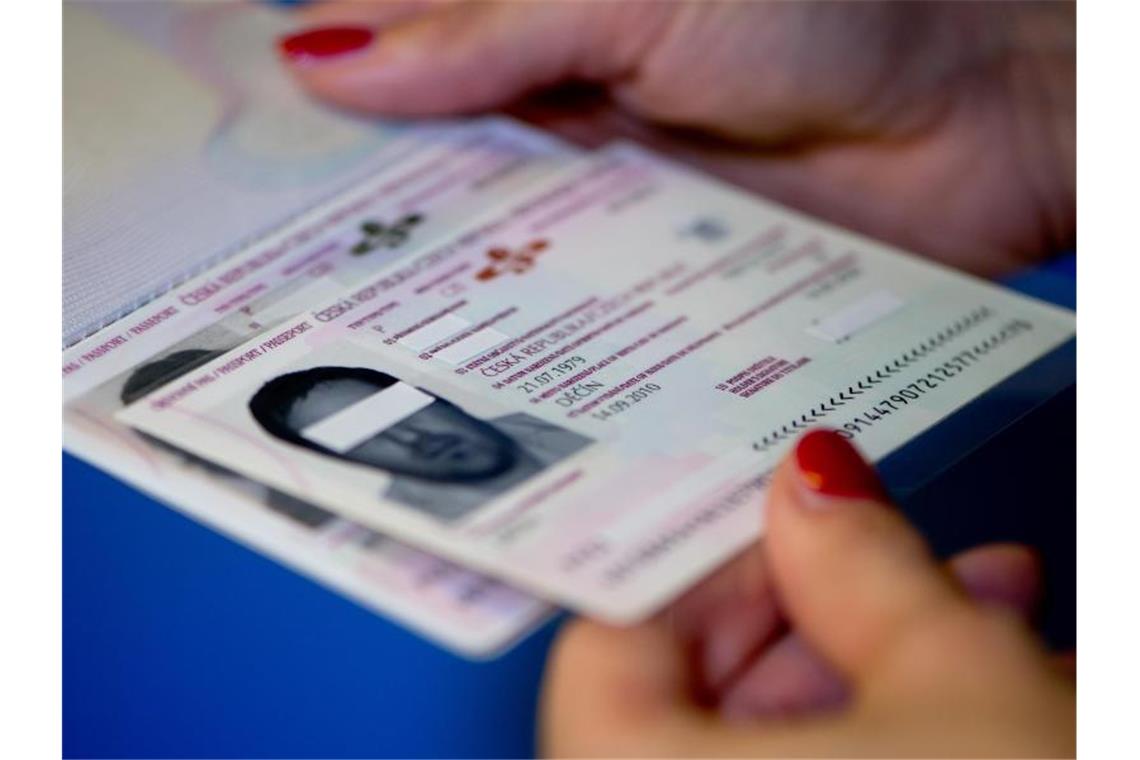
(580, 374)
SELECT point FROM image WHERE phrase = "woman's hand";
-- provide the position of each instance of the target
(842, 638)
(946, 128)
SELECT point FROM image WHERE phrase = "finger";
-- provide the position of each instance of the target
(729, 621)
(855, 577)
(465, 57)
(726, 620)
(623, 692)
(1066, 664)
(1006, 575)
(612, 691)
(790, 678)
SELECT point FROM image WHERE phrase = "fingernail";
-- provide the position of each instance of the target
(324, 43)
(831, 468)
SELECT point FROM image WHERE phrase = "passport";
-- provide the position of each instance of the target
(581, 393)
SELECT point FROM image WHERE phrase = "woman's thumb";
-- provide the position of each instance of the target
(855, 577)
(463, 57)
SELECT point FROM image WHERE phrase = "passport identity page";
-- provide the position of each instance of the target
(581, 392)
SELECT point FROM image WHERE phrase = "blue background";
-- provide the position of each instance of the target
(180, 642)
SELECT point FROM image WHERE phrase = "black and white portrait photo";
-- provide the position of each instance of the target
(443, 461)
(160, 371)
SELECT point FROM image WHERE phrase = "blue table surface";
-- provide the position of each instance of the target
(180, 642)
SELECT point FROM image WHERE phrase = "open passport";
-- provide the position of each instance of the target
(465, 373)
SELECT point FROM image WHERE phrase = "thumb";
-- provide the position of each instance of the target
(464, 57)
(855, 577)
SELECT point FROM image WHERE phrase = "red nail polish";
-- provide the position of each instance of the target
(831, 466)
(326, 42)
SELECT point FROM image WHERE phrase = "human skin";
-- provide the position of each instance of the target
(439, 442)
(927, 668)
(948, 129)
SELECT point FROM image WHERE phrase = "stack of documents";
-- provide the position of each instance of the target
(499, 375)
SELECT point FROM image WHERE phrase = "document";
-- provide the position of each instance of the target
(185, 138)
(583, 392)
(439, 182)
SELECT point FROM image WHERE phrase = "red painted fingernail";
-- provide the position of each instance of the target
(326, 42)
(830, 466)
